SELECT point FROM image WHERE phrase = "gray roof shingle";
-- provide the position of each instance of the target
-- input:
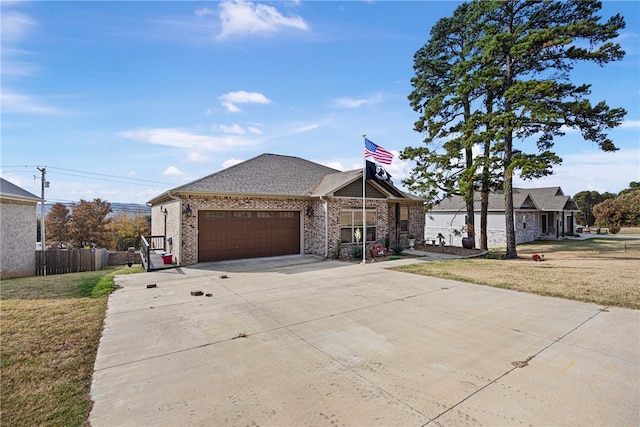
(9, 189)
(274, 175)
(544, 199)
(266, 174)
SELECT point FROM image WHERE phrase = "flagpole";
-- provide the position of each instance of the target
(364, 201)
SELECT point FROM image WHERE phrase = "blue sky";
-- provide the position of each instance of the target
(124, 100)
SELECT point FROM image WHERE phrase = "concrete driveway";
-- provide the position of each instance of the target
(300, 341)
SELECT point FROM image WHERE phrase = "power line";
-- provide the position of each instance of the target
(110, 176)
(93, 175)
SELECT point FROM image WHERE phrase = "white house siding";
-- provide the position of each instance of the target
(440, 222)
(18, 236)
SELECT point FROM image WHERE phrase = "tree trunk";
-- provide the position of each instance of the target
(484, 207)
(469, 193)
(509, 224)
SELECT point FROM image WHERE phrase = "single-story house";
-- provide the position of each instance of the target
(274, 205)
(538, 212)
(18, 231)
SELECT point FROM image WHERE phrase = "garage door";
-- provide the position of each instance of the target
(247, 234)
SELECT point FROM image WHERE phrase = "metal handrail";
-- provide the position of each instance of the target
(148, 244)
(144, 253)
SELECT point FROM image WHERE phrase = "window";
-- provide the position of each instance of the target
(351, 221)
(215, 214)
(265, 214)
(241, 214)
(287, 214)
(404, 218)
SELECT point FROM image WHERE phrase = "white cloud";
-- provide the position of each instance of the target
(230, 107)
(234, 128)
(352, 103)
(231, 162)
(172, 171)
(239, 17)
(17, 68)
(181, 139)
(255, 130)
(205, 11)
(229, 100)
(305, 128)
(195, 157)
(630, 124)
(593, 171)
(17, 103)
(334, 165)
(15, 25)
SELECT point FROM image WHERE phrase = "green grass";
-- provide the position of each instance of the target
(51, 327)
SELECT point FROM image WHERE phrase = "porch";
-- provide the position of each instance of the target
(153, 253)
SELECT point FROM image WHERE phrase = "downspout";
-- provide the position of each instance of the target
(326, 227)
(179, 225)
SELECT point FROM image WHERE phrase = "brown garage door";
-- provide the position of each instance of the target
(247, 234)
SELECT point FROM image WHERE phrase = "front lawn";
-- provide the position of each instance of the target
(602, 271)
(51, 327)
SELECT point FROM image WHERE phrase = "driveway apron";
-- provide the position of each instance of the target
(302, 341)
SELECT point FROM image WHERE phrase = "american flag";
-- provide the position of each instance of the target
(377, 152)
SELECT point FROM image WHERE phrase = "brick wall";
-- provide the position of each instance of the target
(190, 225)
(313, 221)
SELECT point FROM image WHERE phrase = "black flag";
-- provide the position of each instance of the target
(377, 172)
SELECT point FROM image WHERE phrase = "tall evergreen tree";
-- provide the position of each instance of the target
(496, 73)
(536, 45)
(444, 93)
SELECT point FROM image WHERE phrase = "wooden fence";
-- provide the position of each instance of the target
(64, 261)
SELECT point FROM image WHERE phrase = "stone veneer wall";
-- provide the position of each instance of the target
(334, 208)
(314, 227)
(529, 234)
(18, 235)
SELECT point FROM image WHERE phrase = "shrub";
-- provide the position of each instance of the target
(356, 252)
(397, 249)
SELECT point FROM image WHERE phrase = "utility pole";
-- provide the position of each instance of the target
(43, 247)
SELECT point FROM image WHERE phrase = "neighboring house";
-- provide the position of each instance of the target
(18, 231)
(538, 212)
(275, 205)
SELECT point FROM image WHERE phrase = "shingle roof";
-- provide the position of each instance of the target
(544, 199)
(266, 174)
(11, 190)
(274, 175)
(332, 182)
